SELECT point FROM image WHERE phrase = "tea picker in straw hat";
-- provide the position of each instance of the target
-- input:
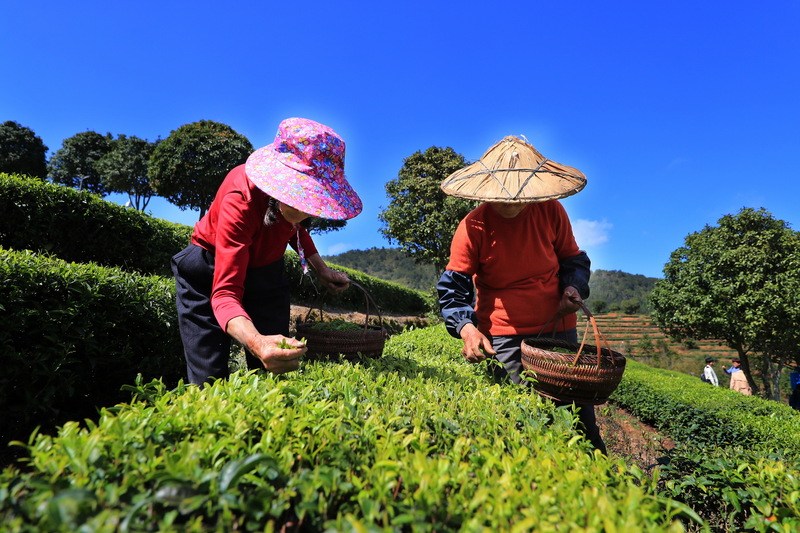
(230, 280)
(514, 263)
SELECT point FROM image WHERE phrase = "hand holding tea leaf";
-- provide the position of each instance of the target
(277, 353)
(284, 344)
(476, 345)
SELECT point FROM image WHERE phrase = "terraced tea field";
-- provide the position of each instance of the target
(638, 337)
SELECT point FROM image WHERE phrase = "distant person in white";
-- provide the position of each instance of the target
(709, 374)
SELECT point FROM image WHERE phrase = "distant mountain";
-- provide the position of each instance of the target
(611, 290)
(389, 264)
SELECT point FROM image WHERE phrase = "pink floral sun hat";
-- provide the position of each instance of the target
(304, 168)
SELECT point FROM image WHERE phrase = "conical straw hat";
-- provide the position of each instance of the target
(514, 171)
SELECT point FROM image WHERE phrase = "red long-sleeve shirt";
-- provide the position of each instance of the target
(233, 229)
(514, 263)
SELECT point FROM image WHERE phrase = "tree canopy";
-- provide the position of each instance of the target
(420, 217)
(325, 225)
(73, 164)
(124, 169)
(187, 167)
(22, 151)
(738, 281)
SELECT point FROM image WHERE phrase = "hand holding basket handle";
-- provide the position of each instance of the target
(574, 376)
(570, 302)
(333, 280)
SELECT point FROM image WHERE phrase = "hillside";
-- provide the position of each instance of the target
(389, 264)
(612, 290)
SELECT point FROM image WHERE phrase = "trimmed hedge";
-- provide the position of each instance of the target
(390, 297)
(72, 334)
(695, 412)
(414, 441)
(82, 227)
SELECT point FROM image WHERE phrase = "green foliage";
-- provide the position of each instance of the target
(325, 225)
(738, 281)
(389, 264)
(22, 151)
(124, 169)
(81, 227)
(73, 164)
(694, 412)
(187, 167)
(420, 217)
(72, 335)
(599, 306)
(734, 489)
(414, 441)
(337, 324)
(612, 290)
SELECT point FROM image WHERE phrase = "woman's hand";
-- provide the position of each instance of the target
(570, 301)
(277, 353)
(331, 279)
(476, 345)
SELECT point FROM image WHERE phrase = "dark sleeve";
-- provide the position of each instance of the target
(456, 300)
(574, 272)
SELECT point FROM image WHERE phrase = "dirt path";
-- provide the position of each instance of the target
(393, 323)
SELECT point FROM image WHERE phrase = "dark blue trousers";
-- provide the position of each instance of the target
(509, 353)
(206, 346)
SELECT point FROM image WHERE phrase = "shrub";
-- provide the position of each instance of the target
(73, 334)
(414, 441)
(81, 227)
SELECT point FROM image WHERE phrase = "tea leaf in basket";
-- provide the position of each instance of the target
(337, 324)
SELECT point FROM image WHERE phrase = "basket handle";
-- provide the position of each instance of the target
(367, 300)
(597, 335)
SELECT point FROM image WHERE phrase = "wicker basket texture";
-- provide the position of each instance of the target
(572, 377)
(329, 344)
(587, 377)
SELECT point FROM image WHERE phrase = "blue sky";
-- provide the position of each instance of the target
(677, 112)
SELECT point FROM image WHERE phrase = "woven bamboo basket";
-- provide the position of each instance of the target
(327, 344)
(584, 377)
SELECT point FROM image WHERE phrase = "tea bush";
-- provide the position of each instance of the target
(414, 441)
(390, 297)
(81, 227)
(735, 489)
(695, 412)
(73, 334)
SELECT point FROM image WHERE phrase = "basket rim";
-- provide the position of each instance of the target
(542, 344)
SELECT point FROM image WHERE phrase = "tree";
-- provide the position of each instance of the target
(73, 164)
(738, 282)
(325, 225)
(124, 169)
(22, 151)
(188, 167)
(420, 217)
(630, 306)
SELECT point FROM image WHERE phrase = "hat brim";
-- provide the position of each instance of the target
(333, 198)
(514, 171)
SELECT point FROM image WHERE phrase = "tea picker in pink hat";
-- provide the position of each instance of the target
(230, 279)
